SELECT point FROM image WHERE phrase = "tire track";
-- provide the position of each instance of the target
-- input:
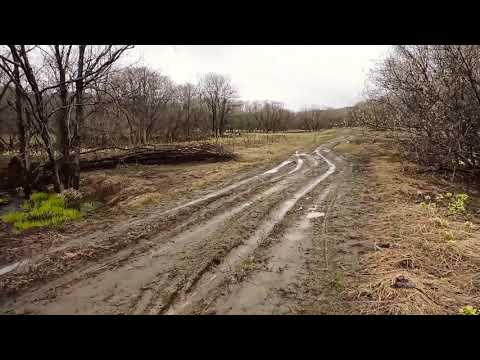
(212, 279)
(137, 225)
(144, 280)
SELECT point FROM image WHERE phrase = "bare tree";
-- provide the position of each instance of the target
(142, 96)
(5, 92)
(56, 80)
(187, 97)
(431, 93)
(218, 93)
(315, 119)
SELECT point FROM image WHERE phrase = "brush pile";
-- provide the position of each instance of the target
(160, 154)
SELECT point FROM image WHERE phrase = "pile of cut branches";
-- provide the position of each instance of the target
(41, 174)
(160, 154)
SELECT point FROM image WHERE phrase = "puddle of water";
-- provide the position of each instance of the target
(6, 269)
(275, 169)
(258, 294)
(315, 214)
(211, 225)
(299, 165)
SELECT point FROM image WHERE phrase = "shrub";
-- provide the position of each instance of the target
(429, 94)
(458, 205)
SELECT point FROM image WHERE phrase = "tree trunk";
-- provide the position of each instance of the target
(79, 117)
(214, 120)
(23, 137)
(222, 117)
(62, 119)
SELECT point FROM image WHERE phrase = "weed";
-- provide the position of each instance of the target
(3, 200)
(449, 236)
(443, 223)
(429, 206)
(469, 310)
(13, 217)
(337, 281)
(72, 198)
(88, 207)
(458, 205)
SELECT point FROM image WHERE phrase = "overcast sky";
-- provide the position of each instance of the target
(296, 75)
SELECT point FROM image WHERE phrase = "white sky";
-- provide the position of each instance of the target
(296, 75)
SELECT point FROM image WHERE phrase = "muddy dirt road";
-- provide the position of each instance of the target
(240, 249)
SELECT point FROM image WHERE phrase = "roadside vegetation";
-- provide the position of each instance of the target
(423, 231)
(421, 155)
(429, 96)
(44, 209)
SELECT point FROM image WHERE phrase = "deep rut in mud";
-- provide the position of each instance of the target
(183, 259)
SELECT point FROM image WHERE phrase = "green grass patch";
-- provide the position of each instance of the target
(41, 210)
(3, 200)
(469, 310)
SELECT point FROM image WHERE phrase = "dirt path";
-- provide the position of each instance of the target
(241, 249)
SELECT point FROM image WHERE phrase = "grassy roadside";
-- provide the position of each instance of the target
(425, 248)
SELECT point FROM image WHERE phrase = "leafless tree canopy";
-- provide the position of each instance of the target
(432, 95)
(53, 85)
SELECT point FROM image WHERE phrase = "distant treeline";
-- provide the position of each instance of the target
(138, 105)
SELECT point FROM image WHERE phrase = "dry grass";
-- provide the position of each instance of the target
(258, 148)
(436, 251)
